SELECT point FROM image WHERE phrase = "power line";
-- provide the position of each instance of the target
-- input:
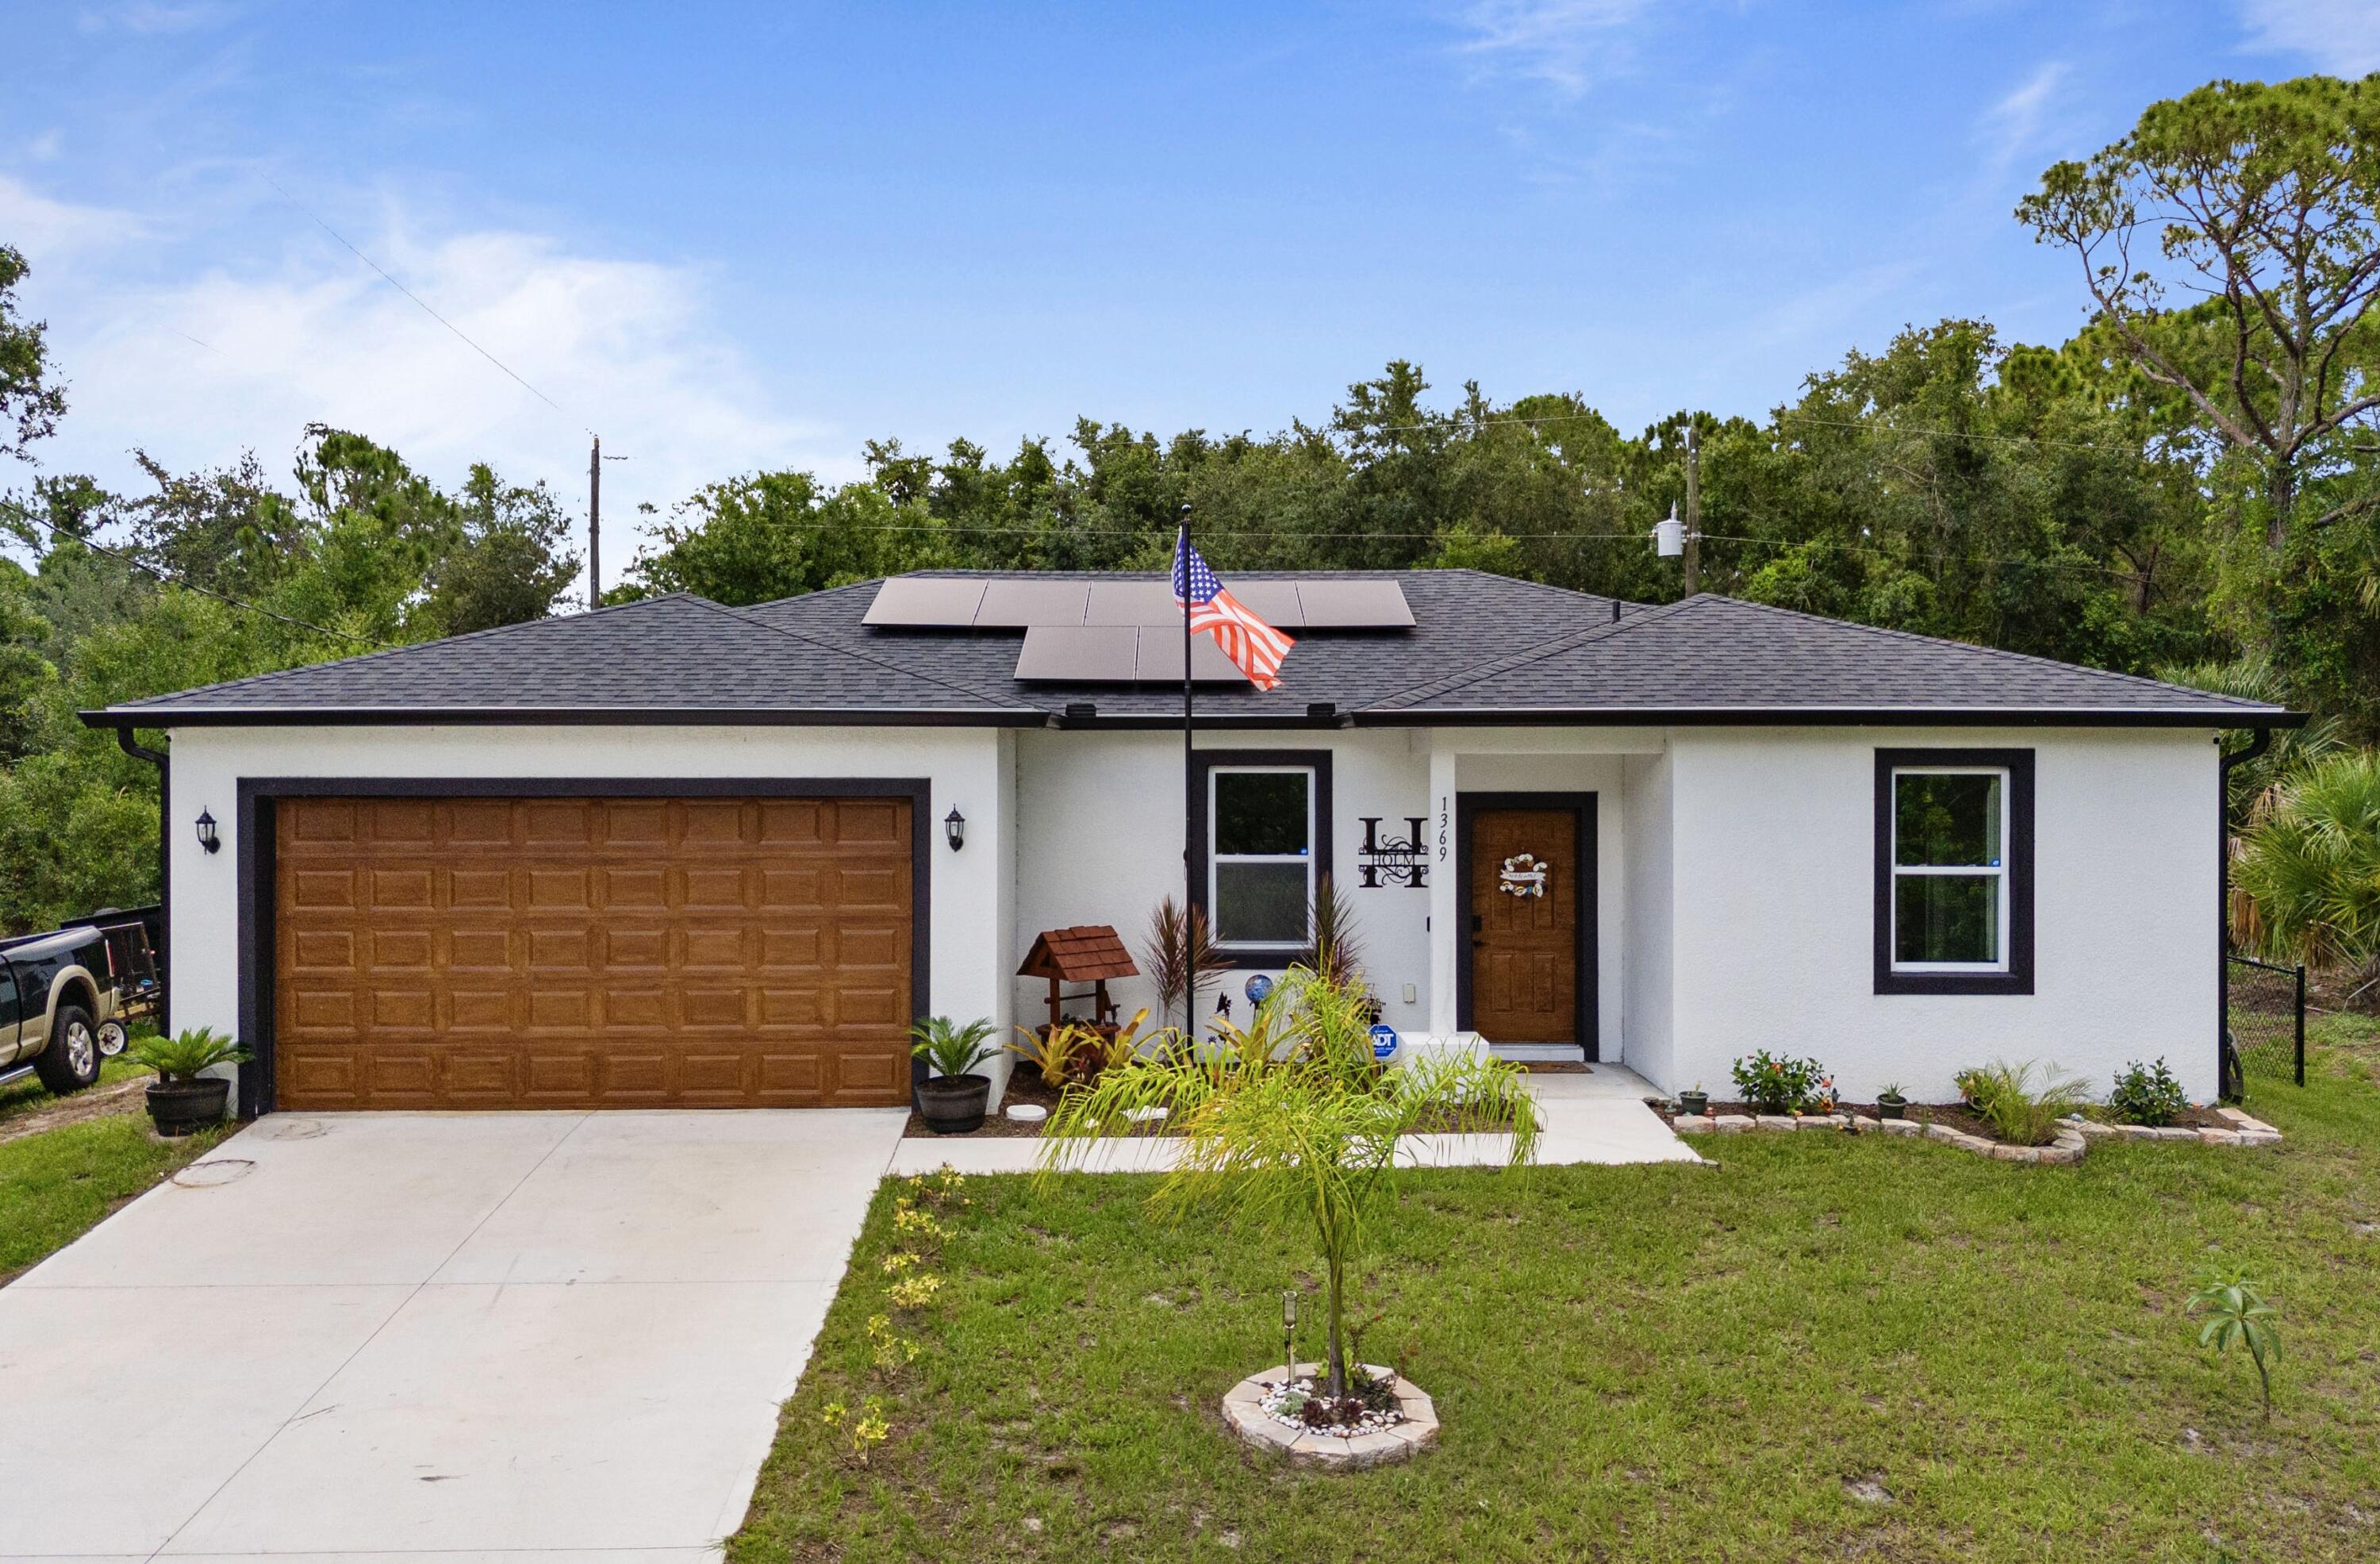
(1456, 423)
(170, 579)
(433, 314)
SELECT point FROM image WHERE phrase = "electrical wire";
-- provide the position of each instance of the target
(171, 580)
(432, 313)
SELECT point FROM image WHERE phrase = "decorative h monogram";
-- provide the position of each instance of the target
(1398, 861)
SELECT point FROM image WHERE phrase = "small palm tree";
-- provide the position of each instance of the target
(950, 1049)
(2236, 1311)
(1292, 1122)
(2309, 872)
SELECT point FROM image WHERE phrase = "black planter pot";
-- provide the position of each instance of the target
(1892, 1110)
(185, 1107)
(952, 1105)
(1695, 1104)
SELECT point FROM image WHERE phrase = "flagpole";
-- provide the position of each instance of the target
(1189, 798)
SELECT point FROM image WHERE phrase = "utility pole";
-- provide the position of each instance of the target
(595, 526)
(1693, 557)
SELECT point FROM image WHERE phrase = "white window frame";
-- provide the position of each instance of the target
(1999, 871)
(1216, 858)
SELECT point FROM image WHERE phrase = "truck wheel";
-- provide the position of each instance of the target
(70, 1060)
(113, 1039)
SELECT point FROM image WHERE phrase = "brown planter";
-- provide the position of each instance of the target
(185, 1107)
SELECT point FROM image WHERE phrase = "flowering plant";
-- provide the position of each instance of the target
(1781, 1085)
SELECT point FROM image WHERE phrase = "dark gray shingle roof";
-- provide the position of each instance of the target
(1484, 648)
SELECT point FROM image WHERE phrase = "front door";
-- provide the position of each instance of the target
(1525, 881)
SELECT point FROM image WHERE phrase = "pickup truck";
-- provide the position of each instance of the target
(58, 1007)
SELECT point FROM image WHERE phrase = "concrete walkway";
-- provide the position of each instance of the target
(1596, 1118)
(464, 1335)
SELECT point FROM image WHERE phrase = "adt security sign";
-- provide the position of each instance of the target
(1384, 1041)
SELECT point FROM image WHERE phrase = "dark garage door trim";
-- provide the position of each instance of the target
(255, 847)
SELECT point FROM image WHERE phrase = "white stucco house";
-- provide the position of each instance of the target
(674, 853)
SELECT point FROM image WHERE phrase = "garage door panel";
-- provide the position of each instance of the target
(587, 952)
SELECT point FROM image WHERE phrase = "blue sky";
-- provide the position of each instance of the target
(731, 236)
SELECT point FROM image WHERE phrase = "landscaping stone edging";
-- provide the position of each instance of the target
(1243, 1410)
(2071, 1139)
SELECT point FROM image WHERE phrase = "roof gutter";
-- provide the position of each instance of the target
(548, 716)
(1833, 716)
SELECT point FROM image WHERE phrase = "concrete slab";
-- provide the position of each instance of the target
(538, 1416)
(569, 1342)
(117, 1431)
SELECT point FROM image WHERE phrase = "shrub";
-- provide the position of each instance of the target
(185, 1056)
(949, 1048)
(1779, 1085)
(2019, 1112)
(2146, 1094)
(2236, 1311)
(2309, 872)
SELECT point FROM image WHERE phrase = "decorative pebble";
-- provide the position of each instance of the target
(1144, 1115)
(1281, 1403)
(1026, 1113)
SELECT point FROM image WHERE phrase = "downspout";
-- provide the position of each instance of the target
(2257, 746)
(164, 871)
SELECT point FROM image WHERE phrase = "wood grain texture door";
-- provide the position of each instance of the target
(576, 953)
(1525, 945)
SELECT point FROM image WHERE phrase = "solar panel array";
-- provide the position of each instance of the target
(1124, 631)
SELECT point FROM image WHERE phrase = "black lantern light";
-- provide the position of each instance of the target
(207, 837)
(955, 828)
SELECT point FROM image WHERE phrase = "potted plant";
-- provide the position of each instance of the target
(182, 1100)
(952, 1098)
(1891, 1104)
(1695, 1104)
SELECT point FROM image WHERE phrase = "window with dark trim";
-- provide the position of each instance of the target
(1260, 843)
(1954, 870)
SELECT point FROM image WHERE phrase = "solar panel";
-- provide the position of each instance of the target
(1273, 602)
(1160, 658)
(1356, 604)
(1133, 603)
(1079, 654)
(912, 601)
(1013, 604)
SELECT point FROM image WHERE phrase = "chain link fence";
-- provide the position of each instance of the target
(2264, 1037)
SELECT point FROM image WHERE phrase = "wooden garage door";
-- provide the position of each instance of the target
(572, 953)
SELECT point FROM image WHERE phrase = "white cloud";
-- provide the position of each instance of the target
(155, 16)
(44, 229)
(2013, 126)
(2340, 36)
(1569, 44)
(197, 368)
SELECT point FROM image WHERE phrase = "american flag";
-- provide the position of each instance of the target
(1255, 647)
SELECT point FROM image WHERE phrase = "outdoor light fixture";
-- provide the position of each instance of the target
(1288, 1338)
(207, 837)
(955, 828)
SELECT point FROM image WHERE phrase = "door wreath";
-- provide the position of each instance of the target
(1524, 874)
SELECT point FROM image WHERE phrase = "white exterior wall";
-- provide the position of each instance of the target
(965, 934)
(1099, 840)
(1647, 965)
(1773, 843)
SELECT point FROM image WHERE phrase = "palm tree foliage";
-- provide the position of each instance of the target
(1291, 1122)
(2310, 872)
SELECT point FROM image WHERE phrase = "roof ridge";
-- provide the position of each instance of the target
(248, 680)
(2025, 657)
(1446, 684)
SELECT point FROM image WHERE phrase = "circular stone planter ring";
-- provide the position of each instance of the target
(1243, 1409)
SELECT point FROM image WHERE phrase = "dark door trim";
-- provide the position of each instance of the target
(258, 836)
(1583, 804)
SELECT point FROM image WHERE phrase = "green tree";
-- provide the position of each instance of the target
(30, 401)
(779, 534)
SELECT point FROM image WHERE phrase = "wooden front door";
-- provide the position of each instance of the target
(1524, 882)
(591, 952)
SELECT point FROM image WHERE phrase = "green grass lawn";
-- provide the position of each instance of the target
(56, 1184)
(1649, 1362)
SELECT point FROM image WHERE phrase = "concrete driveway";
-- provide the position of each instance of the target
(462, 1334)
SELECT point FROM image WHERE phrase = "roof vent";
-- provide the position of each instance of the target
(1081, 711)
(1321, 711)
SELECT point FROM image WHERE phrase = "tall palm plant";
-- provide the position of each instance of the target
(1291, 1122)
(2310, 871)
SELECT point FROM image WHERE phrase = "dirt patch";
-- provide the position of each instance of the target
(99, 1102)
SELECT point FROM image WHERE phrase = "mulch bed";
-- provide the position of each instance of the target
(1955, 1116)
(1025, 1086)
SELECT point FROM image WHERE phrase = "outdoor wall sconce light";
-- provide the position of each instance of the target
(207, 837)
(955, 828)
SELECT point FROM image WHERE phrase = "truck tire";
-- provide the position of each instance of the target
(69, 1061)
